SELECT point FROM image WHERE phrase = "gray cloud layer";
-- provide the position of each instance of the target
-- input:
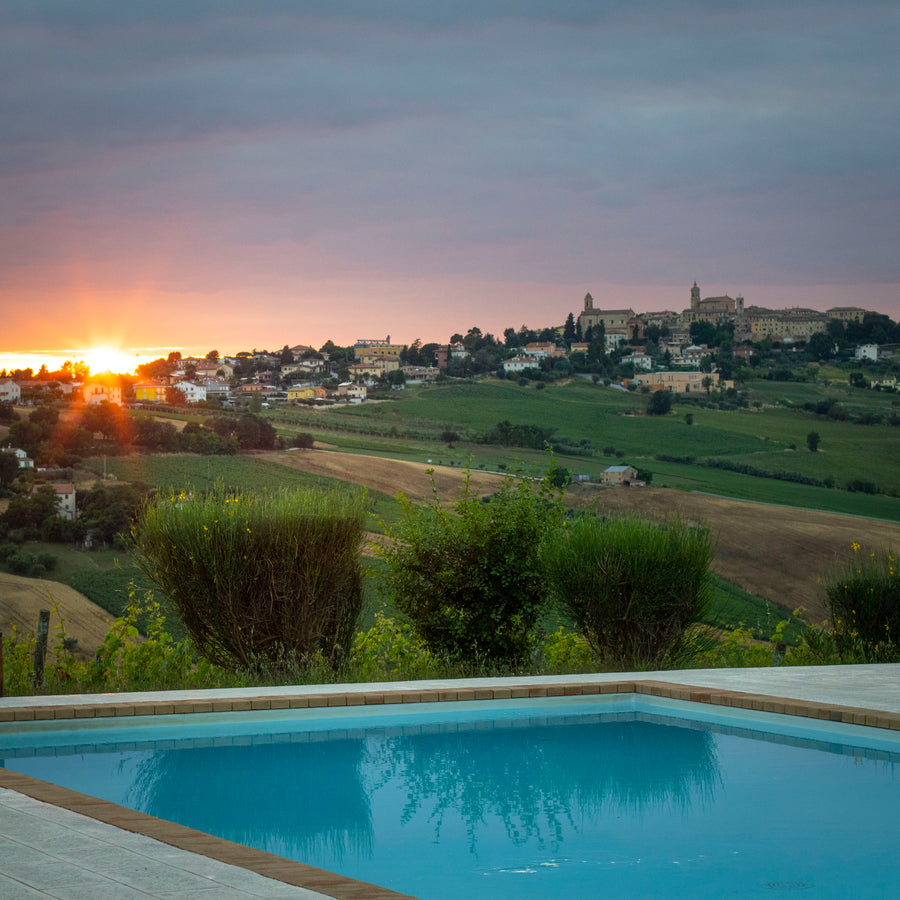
(548, 141)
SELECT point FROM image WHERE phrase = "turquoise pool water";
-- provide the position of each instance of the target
(560, 797)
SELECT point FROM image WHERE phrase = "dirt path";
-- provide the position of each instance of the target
(390, 476)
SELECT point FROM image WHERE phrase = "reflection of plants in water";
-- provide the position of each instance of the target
(539, 781)
(298, 799)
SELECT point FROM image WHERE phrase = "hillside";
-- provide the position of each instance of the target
(22, 598)
(776, 552)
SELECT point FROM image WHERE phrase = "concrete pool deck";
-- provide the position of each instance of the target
(57, 843)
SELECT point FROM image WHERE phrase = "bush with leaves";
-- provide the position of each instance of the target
(468, 575)
(258, 579)
(863, 598)
(633, 588)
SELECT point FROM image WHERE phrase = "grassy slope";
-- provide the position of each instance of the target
(581, 410)
(409, 425)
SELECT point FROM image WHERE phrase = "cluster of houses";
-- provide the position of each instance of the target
(377, 360)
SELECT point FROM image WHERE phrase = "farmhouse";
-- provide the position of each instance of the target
(618, 475)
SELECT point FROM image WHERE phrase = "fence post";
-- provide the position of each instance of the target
(40, 647)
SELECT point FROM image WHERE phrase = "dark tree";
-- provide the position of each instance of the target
(660, 403)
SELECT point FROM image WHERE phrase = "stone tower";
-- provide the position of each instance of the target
(695, 297)
(588, 302)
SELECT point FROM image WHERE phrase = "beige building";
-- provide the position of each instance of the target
(846, 313)
(679, 382)
(619, 324)
(369, 348)
(784, 324)
(712, 309)
(102, 392)
(374, 367)
(615, 476)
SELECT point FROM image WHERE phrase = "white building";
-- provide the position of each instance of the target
(866, 351)
(193, 393)
(10, 392)
(520, 363)
(641, 361)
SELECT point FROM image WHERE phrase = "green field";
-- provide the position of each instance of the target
(771, 438)
(241, 473)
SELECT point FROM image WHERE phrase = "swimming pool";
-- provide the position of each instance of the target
(618, 795)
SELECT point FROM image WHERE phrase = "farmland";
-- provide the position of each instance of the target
(774, 538)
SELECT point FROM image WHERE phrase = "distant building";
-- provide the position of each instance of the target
(105, 391)
(150, 392)
(679, 382)
(712, 309)
(65, 499)
(372, 347)
(616, 476)
(193, 393)
(619, 325)
(846, 313)
(10, 392)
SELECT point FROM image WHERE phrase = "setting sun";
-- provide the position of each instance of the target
(109, 359)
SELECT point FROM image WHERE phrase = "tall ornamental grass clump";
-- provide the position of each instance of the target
(632, 588)
(259, 580)
(863, 599)
(468, 575)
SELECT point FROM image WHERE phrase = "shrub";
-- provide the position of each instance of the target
(660, 403)
(468, 577)
(258, 579)
(863, 599)
(391, 650)
(632, 588)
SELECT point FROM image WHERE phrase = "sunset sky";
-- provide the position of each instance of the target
(204, 174)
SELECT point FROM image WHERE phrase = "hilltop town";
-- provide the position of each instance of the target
(702, 348)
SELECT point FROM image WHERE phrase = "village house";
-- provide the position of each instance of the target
(639, 360)
(520, 364)
(866, 351)
(216, 388)
(374, 369)
(543, 350)
(10, 392)
(193, 393)
(65, 499)
(419, 374)
(150, 392)
(22, 458)
(107, 391)
(353, 393)
(306, 392)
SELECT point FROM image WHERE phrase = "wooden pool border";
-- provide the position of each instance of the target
(328, 883)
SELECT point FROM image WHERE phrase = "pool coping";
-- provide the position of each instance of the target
(328, 883)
